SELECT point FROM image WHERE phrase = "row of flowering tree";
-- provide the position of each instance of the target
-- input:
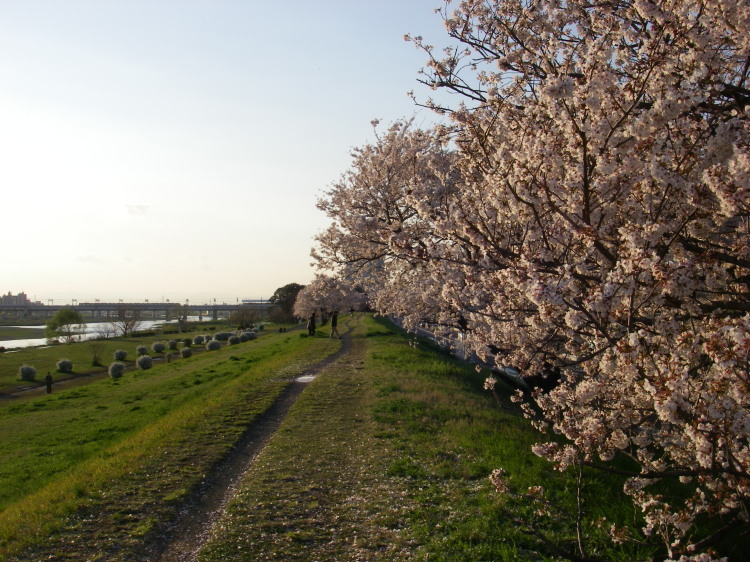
(325, 295)
(585, 204)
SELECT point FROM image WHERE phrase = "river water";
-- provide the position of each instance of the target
(93, 330)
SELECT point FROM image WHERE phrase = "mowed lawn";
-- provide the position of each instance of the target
(157, 430)
(88, 357)
(385, 456)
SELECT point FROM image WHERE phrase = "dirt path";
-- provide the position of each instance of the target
(191, 529)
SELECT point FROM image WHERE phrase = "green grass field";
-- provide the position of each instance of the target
(69, 449)
(398, 470)
(11, 333)
(44, 359)
(385, 456)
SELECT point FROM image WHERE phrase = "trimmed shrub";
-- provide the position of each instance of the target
(120, 355)
(158, 347)
(233, 340)
(251, 335)
(207, 338)
(198, 340)
(188, 342)
(116, 370)
(172, 344)
(213, 345)
(26, 373)
(244, 337)
(141, 350)
(186, 352)
(144, 362)
(65, 366)
(222, 336)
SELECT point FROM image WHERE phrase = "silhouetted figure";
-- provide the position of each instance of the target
(311, 325)
(48, 380)
(335, 325)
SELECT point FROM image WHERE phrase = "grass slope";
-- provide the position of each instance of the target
(44, 359)
(386, 457)
(89, 471)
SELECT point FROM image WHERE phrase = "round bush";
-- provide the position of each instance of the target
(141, 350)
(207, 338)
(213, 345)
(233, 340)
(172, 344)
(244, 337)
(120, 355)
(251, 335)
(144, 362)
(26, 373)
(158, 347)
(188, 342)
(222, 336)
(198, 340)
(65, 366)
(116, 370)
(186, 352)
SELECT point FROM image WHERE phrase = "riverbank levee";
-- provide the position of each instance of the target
(385, 455)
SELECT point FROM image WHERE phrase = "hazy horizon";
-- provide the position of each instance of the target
(176, 149)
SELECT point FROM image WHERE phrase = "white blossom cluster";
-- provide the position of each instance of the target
(325, 295)
(586, 206)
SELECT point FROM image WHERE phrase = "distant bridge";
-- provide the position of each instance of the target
(144, 310)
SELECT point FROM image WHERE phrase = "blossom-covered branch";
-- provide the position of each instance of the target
(587, 206)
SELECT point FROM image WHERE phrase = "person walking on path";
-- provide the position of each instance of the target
(335, 324)
(48, 380)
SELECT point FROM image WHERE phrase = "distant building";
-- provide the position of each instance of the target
(14, 300)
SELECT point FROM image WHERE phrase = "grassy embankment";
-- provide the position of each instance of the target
(117, 455)
(384, 456)
(44, 359)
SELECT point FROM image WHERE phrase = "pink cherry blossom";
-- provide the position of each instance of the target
(586, 205)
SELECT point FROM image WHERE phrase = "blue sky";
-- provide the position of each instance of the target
(175, 149)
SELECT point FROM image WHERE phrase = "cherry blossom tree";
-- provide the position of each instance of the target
(591, 210)
(378, 235)
(325, 295)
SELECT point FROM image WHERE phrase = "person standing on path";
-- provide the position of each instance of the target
(335, 324)
(48, 380)
(311, 325)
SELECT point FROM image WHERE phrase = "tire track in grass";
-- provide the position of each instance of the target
(186, 535)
